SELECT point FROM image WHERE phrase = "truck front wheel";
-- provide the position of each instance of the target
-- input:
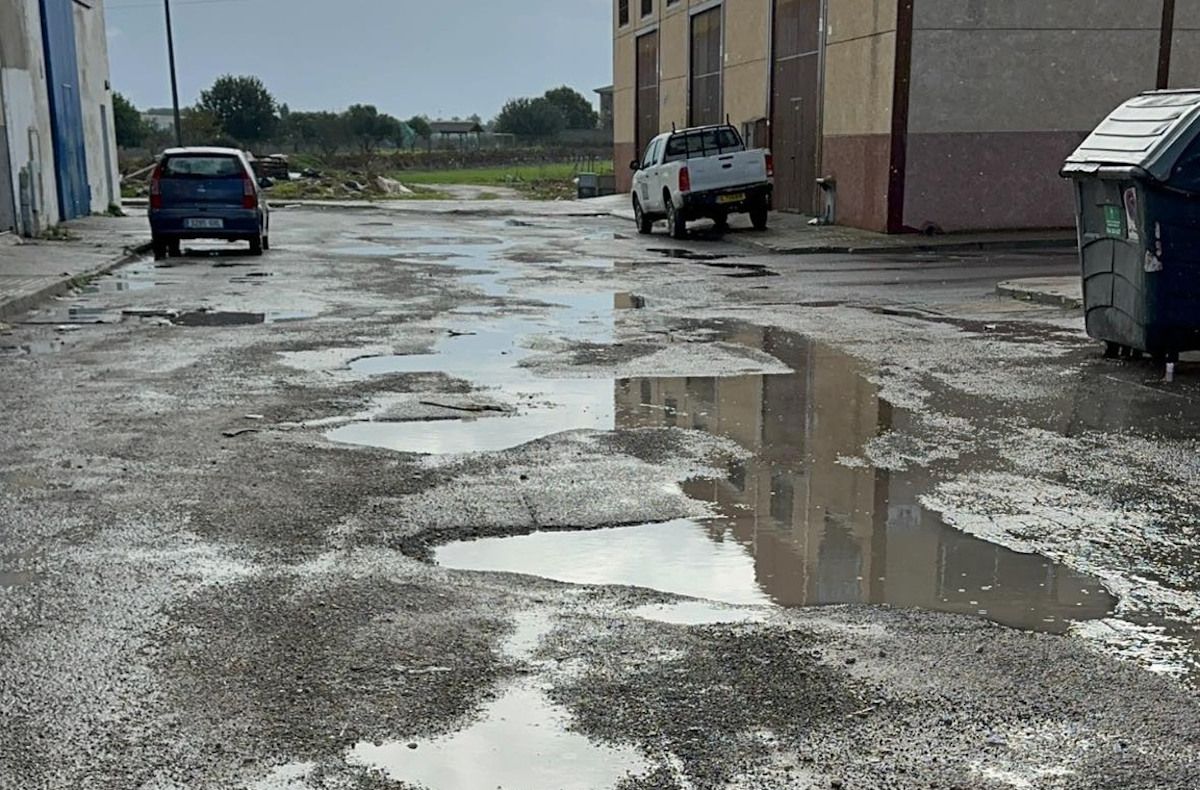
(644, 224)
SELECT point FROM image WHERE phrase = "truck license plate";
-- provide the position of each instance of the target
(204, 224)
(737, 197)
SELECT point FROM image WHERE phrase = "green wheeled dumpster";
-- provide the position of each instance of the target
(1137, 194)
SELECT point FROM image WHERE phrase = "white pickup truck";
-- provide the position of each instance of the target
(705, 172)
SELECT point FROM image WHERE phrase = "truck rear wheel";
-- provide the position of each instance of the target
(159, 246)
(675, 221)
(758, 217)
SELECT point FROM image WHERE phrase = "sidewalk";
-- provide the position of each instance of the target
(790, 234)
(1060, 291)
(32, 270)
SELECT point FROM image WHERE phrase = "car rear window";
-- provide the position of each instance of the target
(703, 143)
(203, 167)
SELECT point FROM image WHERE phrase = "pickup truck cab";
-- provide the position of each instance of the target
(207, 193)
(704, 172)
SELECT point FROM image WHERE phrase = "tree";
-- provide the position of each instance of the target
(421, 128)
(325, 131)
(530, 118)
(370, 128)
(243, 107)
(130, 129)
(202, 127)
(576, 109)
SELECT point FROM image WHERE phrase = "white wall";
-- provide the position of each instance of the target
(91, 47)
(27, 106)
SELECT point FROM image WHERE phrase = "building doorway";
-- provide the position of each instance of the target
(795, 100)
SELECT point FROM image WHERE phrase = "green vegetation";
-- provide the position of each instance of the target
(504, 175)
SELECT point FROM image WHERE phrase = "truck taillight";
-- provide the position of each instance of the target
(685, 180)
(249, 195)
(156, 188)
(770, 166)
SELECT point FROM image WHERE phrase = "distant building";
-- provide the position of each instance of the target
(606, 107)
(162, 120)
(928, 114)
(458, 134)
(57, 142)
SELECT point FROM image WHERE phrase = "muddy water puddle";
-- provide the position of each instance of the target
(520, 739)
(803, 521)
(487, 350)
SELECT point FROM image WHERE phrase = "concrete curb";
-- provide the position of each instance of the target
(926, 248)
(25, 302)
(1067, 241)
(1039, 296)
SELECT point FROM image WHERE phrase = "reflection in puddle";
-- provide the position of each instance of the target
(489, 354)
(519, 743)
(681, 557)
(795, 526)
(137, 277)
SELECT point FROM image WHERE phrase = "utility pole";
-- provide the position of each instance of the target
(1165, 42)
(174, 82)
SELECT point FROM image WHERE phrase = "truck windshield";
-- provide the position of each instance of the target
(705, 142)
(202, 167)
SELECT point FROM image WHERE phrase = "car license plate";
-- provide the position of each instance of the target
(204, 224)
(737, 197)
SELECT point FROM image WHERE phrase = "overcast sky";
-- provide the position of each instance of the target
(434, 57)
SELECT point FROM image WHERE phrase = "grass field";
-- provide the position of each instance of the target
(497, 176)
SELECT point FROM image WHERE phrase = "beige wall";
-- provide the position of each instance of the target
(860, 75)
(746, 79)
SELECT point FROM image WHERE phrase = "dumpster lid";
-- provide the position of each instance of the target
(1150, 132)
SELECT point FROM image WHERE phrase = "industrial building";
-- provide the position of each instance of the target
(58, 157)
(925, 115)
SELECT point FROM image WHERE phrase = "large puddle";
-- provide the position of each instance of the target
(803, 521)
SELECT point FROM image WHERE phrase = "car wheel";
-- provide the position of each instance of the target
(645, 225)
(675, 221)
(175, 248)
(266, 242)
(159, 247)
(256, 245)
(758, 217)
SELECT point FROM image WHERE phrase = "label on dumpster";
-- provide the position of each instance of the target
(1114, 224)
(1131, 214)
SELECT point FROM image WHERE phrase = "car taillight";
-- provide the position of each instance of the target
(156, 188)
(685, 180)
(770, 166)
(249, 195)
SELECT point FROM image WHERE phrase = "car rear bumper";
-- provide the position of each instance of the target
(726, 201)
(237, 223)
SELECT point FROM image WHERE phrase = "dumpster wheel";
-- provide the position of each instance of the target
(1111, 350)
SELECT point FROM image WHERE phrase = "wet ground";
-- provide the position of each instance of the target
(488, 498)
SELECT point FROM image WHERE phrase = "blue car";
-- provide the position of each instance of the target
(207, 193)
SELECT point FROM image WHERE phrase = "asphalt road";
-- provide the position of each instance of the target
(496, 496)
